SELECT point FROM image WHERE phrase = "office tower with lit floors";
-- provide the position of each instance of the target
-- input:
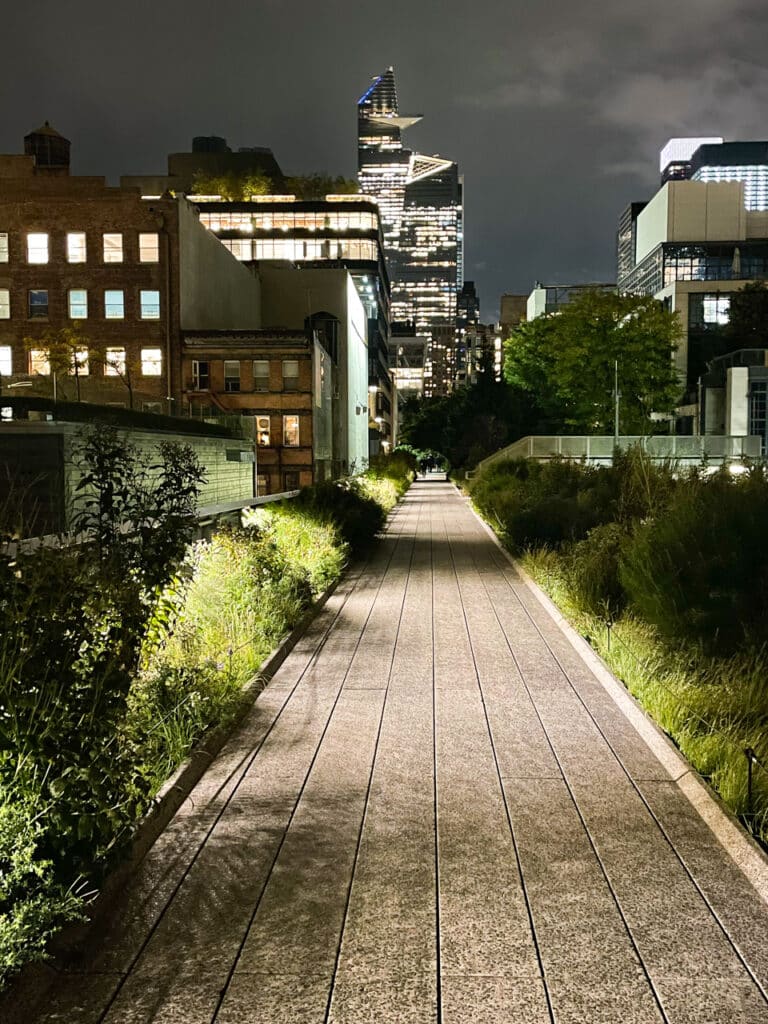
(420, 201)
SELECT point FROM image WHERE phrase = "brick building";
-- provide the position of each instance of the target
(281, 378)
(126, 273)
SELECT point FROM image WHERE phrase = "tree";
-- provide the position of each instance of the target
(232, 187)
(67, 350)
(471, 423)
(748, 317)
(319, 184)
(566, 362)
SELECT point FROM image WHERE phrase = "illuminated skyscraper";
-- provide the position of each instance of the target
(420, 200)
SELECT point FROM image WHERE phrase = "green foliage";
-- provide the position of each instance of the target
(310, 541)
(541, 503)
(319, 185)
(33, 905)
(233, 187)
(357, 517)
(592, 569)
(71, 620)
(700, 572)
(117, 654)
(748, 317)
(471, 423)
(240, 187)
(566, 361)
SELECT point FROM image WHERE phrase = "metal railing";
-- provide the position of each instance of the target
(599, 448)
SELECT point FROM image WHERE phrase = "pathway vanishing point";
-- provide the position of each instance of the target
(434, 813)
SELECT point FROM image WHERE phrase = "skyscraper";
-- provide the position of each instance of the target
(420, 200)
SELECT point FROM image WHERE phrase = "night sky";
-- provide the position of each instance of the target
(554, 110)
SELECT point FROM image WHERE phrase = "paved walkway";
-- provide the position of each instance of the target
(434, 812)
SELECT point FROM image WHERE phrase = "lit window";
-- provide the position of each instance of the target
(113, 248)
(291, 431)
(76, 247)
(231, 375)
(262, 431)
(80, 359)
(201, 375)
(114, 304)
(290, 375)
(261, 375)
(151, 362)
(38, 362)
(37, 247)
(149, 247)
(78, 304)
(150, 305)
(262, 484)
(5, 304)
(6, 360)
(3, 246)
(716, 309)
(38, 302)
(114, 364)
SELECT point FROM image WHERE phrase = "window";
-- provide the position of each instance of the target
(150, 305)
(291, 478)
(290, 375)
(76, 247)
(38, 362)
(6, 360)
(151, 362)
(113, 248)
(716, 309)
(3, 246)
(80, 359)
(114, 364)
(262, 484)
(262, 431)
(78, 304)
(201, 375)
(114, 304)
(231, 375)
(5, 304)
(38, 302)
(291, 431)
(261, 375)
(149, 247)
(156, 407)
(37, 247)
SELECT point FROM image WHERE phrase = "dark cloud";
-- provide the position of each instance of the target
(555, 111)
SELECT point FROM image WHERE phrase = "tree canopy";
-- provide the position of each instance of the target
(565, 362)
(469, 424)
(240, 187)
(748, 317)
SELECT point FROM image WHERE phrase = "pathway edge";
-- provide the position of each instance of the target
(729, 832)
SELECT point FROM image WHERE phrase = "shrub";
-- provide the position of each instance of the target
(358, 517)
(537, 503)
(592, 568)
(33, 904)
(308, 540)
(700, 572)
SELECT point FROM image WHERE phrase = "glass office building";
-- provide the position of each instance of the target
(420, 202)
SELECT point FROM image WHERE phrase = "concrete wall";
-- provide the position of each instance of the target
(692, 211)
(536, 304)
(289, 296)
(216, 291)
(737, 401)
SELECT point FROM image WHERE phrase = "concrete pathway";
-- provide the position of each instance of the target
(435, 812)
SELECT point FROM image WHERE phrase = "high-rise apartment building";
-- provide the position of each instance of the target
(420, 200)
